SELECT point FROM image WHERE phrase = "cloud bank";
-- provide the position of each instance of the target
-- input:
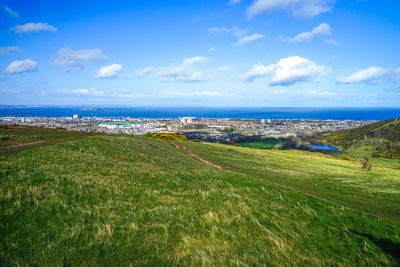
(81, 92)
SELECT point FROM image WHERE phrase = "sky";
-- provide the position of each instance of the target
(187, 53)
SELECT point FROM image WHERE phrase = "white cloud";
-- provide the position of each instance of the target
(184, 72)
(234, 2)
(194, 60)
(298, 8)
(248, 39)
(320, 94)
(370, 75)
(34, 27)
(332, 42)
(216, 30)
(81, 92)
(198, 93)
(134, 96)
(6, 50)
(212, 49)
(234, 30)
(322, 29)
(240, 34)
(20, 66)
(69, 58)
(397, 74)
(258, 70)
(225, 67)
(287, 71)
(8, 91)
(11, 12)
(306, 94)
(187, 71)
(110, 71)
(141, 73)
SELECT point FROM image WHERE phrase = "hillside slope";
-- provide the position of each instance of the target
(383, 138)
(114, 200)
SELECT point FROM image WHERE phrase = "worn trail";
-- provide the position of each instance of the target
(184, 149)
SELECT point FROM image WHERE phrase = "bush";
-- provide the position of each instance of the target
(305, 147)
(366, 165)
(167, 136)
(349, 158)
(291, 142)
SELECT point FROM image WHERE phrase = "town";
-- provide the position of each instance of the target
(206, 129)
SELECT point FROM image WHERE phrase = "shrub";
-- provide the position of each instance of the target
(349, 158)
(366, 165)
(167, 136)
(305, 147)
(291, 143)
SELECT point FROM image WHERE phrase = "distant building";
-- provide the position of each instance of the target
(186, 120)
(76, 116)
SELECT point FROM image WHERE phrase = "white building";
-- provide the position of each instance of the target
(186, 120)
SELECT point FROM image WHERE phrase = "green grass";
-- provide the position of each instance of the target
(262, 144)
(14, 138)
(120, 200)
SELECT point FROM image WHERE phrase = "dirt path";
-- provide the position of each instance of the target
(25, 144)
(184, 149)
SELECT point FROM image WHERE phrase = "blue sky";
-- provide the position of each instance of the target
(261, 53)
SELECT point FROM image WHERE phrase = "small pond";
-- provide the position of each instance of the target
(324, 147)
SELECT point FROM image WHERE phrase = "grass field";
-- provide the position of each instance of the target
(262, 144)
(120, 200)
(14, 137)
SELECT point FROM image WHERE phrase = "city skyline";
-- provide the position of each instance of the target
(271, 53)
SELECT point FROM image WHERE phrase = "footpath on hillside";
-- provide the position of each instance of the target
(184, 149)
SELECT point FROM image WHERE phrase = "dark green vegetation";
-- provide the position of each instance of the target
(381, 139)
(167, 136)
(115, 200)
(262, 144)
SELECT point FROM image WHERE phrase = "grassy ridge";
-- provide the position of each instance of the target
(382, 138)
(14, 138)
(113, 200)
(388, 129)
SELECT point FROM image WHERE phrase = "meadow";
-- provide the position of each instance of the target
(132, 200)
(262, 144)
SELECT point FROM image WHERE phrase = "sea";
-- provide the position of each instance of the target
(205, 112)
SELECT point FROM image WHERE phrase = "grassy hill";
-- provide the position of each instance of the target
(119, 200)
(382, 139)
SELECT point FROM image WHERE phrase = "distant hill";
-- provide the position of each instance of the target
(382, 136)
